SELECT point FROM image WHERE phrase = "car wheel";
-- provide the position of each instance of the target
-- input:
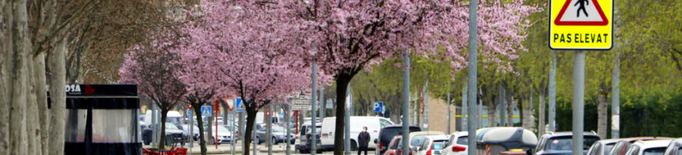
(147, 142)
(353, 145)
(273, 141)
(258, 140)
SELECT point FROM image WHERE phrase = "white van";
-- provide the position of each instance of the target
(374, 125)
(171, 117)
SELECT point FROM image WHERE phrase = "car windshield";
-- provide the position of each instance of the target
(566, 142)
(439, 144)
(417, 140)
(171, 126)
(277, 129)
(654, 151)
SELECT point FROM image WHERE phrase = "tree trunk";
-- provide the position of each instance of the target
(58, 96)
(341, 87)
(32, 128)
(541, 113)
(601, 112)
(510, 107)
(18, 80)
(492, 111)
(250, 120)
(200, 124)
(41, 99)
(162, 138)
(528, 120)
(5, 62)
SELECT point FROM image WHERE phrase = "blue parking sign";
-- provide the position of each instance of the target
(378, 106)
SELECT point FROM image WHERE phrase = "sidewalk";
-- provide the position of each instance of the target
(227, 148)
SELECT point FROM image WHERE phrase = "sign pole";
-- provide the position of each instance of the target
(287, 117)
(552, 93)
(406, 102)
(578, 100)
(473, 73)
(313, 146)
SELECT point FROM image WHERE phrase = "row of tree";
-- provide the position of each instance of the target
(262, 51)
(45, 44)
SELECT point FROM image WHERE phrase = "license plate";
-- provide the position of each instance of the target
(436, 152)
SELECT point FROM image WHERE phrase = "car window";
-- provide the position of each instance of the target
(608, 147)
(616, 149)
(566, 142)
(541, 143)
(679, 151)
(463, 140)
(417, 140)
(654, 151)
(384, 122)
(393, 143)
(439, 144)
(388, 133)
(595, 149)
(633, 151)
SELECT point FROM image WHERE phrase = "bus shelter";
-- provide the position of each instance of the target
(102, 119)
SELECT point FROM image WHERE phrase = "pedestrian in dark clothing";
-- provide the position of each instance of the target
(363, 140)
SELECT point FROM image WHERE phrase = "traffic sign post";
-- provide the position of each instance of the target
(206, 110)
(581, 25)
(378, 106)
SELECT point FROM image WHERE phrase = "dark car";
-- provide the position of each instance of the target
(561, 143)
(305, 148)
(386, 135)
(173, 135)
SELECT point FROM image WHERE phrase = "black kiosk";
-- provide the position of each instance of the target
(102, 119)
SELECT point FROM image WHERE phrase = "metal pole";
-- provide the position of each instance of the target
(615, 88)
(234, 128)
(615, 99)
(426, 106)
(287, 115)
(313, 146)
(406, 102)
(448, 111)
(242, 129)
(473, 73)
(578, 101)
(191, 131)
(552, 93)
(154, 126)
(502, 108)
(347, 123)
(269, 137)
(465, 115)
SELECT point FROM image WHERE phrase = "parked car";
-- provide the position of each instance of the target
(674, 148)
(387, 133)
(417, 138)
(496, 140)
(373, 124)
(652, 147)
(624, 144)
(602, 147)
(278, 135)
(306, 131)
(562, 143)
(393, 146)
(433, 145)
(224, 135)
(195, 131)
(173, 134)
(305, 145)
(457, 145)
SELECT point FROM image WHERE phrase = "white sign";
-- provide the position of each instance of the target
(300, 107)
(73, 89)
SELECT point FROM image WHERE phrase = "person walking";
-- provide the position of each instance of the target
(363, 140)
(582, 7)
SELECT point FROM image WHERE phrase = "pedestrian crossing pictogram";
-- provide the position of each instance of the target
(581, 12)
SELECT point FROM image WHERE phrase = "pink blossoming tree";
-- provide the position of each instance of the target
(153, 66)
(242, 50)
